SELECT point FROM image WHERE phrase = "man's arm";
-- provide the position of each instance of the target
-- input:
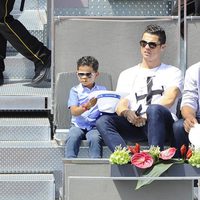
(190, 99)
(122, 106)
(170, 96)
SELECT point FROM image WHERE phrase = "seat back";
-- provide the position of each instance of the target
(64, 82)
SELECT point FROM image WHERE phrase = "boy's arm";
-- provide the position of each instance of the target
(78, 110)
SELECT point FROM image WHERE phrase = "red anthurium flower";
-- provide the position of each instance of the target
(168, 153)
(134, 149)
(183, 151)
(189, 153)
(131, 149)
(142, 160)
(137, 148)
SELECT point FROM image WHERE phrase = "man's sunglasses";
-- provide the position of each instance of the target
(81, 74)
(152, 45)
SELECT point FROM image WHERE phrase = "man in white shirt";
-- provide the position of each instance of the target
(190, 106)
(149, 111)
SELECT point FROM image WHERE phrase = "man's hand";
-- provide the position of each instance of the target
(189, 123)
(132, 118)
(189, 114)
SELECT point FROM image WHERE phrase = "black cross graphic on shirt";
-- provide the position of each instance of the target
(150, 92)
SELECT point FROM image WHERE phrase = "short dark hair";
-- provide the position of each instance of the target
(156, 30)
(88, 61)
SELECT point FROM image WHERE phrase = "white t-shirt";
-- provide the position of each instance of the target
(146, 86)
(191, 93)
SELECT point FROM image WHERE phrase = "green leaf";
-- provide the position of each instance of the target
(155, 171)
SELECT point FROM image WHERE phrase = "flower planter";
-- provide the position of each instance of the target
(176, 170)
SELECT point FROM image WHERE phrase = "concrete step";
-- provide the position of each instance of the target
(17, 93)
(33, 19)
(18, 68)
(21, 95)
(27, 186)
(25, 129)
(28, 157)
(32, 5)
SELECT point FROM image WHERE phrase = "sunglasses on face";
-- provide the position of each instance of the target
(81, 74)
(152, 45)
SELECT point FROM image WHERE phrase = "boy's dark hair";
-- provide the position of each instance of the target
(89, 61)
(156, 30)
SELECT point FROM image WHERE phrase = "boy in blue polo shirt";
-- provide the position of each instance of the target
(84, 110)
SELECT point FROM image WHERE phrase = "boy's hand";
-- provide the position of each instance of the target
(90, 103)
